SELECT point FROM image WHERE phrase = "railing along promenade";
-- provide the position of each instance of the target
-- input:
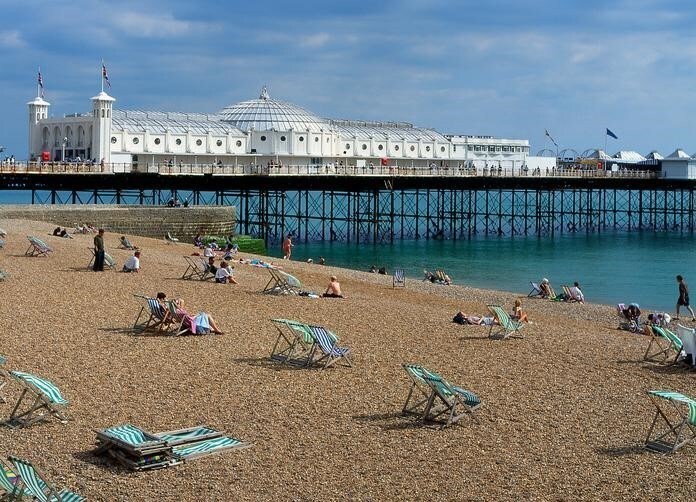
(318, 170)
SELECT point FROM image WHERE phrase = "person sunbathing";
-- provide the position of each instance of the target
(333, 290)
(517, 313)
(475, 320)
(197, 324)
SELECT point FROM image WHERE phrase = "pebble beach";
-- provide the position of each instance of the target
(564, 414)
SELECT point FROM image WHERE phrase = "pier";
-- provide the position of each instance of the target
(384, 203)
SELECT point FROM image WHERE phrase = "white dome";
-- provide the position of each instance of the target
(266, 114)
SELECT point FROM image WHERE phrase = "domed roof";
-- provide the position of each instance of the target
(267, 114)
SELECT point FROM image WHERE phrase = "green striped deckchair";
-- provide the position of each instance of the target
(208, 447)
(11, 484)
(188, 435)
(133, 447)
(418, 399)
(506, 326)
(663, 346)
(295, 343)
(456, 402)
(47, 400)
(678, 412)
(37, 485)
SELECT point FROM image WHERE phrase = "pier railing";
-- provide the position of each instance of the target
(318, 170)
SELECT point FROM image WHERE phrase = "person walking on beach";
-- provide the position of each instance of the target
(99, 251)
(683, 300)
(287, 247)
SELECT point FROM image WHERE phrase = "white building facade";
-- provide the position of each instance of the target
(262, 131)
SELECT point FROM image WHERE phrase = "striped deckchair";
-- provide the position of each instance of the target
(506, 326)
(196, 268)
(418, 399)
(188, 435)
(282, 283)
(295, 343)
(208, 447)
(37, 247)
(108, 259)
(37, 485)
(663, 346)
(456, 402)
(399, 278)
(47, 400)
(151, 316)
(679, 415)
(3, 376)
(688, 338)
(133, 447)
(11, 484)
(331, 353)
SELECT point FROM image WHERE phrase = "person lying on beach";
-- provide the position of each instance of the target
(333, 290)
(462, 318)
(224, 274)
(517, 312)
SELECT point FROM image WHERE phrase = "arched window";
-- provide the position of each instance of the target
(108, 113)
(103, 113)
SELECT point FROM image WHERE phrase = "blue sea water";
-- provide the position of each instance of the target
(611, 267)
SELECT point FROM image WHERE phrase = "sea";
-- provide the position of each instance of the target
(611, 267)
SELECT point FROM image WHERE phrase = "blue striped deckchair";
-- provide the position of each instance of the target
(37, 485)
(208, 447)
(679, 414)
(37, 247)
(327, 344)
(506, 326)
(295, 343)
(46, 401)
(108, 259)
(456, 402)
(153, 315)
(665, 345)
(399, 278)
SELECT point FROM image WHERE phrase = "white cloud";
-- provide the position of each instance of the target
(11, 39)
(315, 41)
(148, 25)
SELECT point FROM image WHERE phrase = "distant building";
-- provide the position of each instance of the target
(260, 131)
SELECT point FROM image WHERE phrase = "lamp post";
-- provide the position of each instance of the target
(62, 155)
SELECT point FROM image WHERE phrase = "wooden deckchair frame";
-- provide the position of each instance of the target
(151, 321)
(108, 259)
(31, 415)
(506, 328)
(676, 425)
(664, 346)
(196, 268)
(419, 405)
(278, 283)
(291, 347)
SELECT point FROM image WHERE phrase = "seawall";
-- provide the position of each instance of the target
(148, 221)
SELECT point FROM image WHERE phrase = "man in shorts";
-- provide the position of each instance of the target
(683, 300)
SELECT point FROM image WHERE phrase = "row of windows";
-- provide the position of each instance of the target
(396, 147)
(497, 148)
(199, 142)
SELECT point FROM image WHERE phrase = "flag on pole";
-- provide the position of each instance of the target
(39, 80)
(549, 136)
(105, 76)
(609, 133)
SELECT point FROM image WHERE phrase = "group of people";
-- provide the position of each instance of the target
(575, 293)
(132, 264)
(517, 314)
(200, 324)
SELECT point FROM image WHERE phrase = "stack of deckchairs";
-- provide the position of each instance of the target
(435, 400)
(282, 283)
(140, 450)
(306, 345)
(506, 326)
(196, 268)
(677, 415)
(37, 247)
(39, 400)
(24, 481)
(108, 259)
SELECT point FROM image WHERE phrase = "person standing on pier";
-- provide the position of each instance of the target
(683, 299)
(287, 247)
(99, 251)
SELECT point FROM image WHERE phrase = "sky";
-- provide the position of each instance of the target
(506, 68)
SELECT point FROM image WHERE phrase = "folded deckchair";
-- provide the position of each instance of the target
(282, 283)
(399, 278)
(37, 485)
(153, 315)
(688, 338)
(438, 400)
(679, 414)
(506, 326)
(108, 259)
(330, 352)
(663, 346)
(196, 268)
(170, 240)
(45, 398)
(37, 247)
(295, 343)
